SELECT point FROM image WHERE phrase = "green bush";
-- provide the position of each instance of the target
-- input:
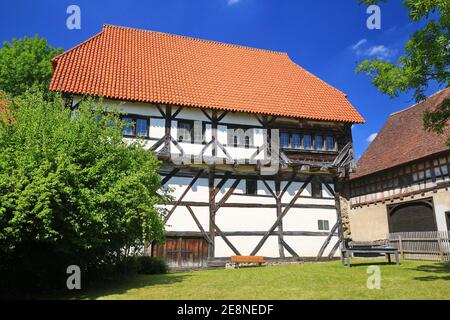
(152, 265)
(72, 192)
(128, 265)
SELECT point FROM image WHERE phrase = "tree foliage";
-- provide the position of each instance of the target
(71, 191)
(426, 59)
(26, 63)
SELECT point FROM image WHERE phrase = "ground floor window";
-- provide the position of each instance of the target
(323, 225)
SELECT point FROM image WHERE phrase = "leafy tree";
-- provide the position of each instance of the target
(71, 191)
(26, 63)
(426, 59)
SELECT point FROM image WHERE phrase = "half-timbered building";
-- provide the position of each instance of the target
(402, 180)
(253, 146)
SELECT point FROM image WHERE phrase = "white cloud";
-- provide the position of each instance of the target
(232, 2)
(372, 137)
(358, 44)
(378, 51)
(381, 52)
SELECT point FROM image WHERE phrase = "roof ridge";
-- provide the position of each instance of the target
(197, 39)
(417, 103)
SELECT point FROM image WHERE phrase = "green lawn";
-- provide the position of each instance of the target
(326, 280)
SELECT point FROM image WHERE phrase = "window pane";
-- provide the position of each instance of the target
(230, 137)
(316, 188)
(296, 141)
(330, 143)
(326, 225)
(249, 135)
(129, 129)
(198, 132)
(141, 127)
(250, 186)
(247, 141)
(284, 140)
(184, 131)
(318, 142)
(307, 141)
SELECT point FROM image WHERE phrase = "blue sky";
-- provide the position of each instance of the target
(327, 37)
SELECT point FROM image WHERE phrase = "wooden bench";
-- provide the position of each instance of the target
(237, 260)
(348, 252)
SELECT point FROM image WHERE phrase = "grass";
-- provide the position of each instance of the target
(325, 280)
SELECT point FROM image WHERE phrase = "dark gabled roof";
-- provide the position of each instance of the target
(403, 139)
(147, 66)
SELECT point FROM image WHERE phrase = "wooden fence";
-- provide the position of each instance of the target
(430, 245)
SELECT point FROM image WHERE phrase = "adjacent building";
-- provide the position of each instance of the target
(253, 146)
(402, 180)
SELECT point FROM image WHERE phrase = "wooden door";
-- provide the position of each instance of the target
(183, 252)
(447, 214)
(412, 216)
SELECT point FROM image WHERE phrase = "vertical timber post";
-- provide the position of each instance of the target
(211, 185)
(337, 201)
(280, 226)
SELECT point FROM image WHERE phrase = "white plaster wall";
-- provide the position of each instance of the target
(245, 219)
(307, 246)
(305, 219)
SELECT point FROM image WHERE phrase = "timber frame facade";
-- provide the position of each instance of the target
(212, 216)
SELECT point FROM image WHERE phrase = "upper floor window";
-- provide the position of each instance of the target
(190, 131)
(296, 141)
(136, 126)
(239, 137)
(329, 143)
(307, 141)
(185, 131)
(284, 140)
(318, 142)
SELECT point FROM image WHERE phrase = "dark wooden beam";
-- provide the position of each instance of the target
(199, 225)
(224, 237)
(182, 195)
(283, 213)
(228, 194)
(327, 241)
(289, 249)
(169, 176)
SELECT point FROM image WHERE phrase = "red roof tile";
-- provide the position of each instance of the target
(403, 139)
(139, 65)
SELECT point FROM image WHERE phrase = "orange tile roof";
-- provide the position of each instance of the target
(403, 139)
(138, 65)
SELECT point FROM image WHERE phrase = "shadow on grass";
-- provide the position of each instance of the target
(371, 263)
(437, 268)
(123, 285)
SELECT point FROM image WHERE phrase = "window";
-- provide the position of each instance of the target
(142, 127)
(296, 141)
(329, 143)
(239, 137)
(136, 126)
(128, 130)
(185, 131)
(318, 142)
(284, 140)
(323, 225)
(307, 143)
(250, 186)
(316, 188)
